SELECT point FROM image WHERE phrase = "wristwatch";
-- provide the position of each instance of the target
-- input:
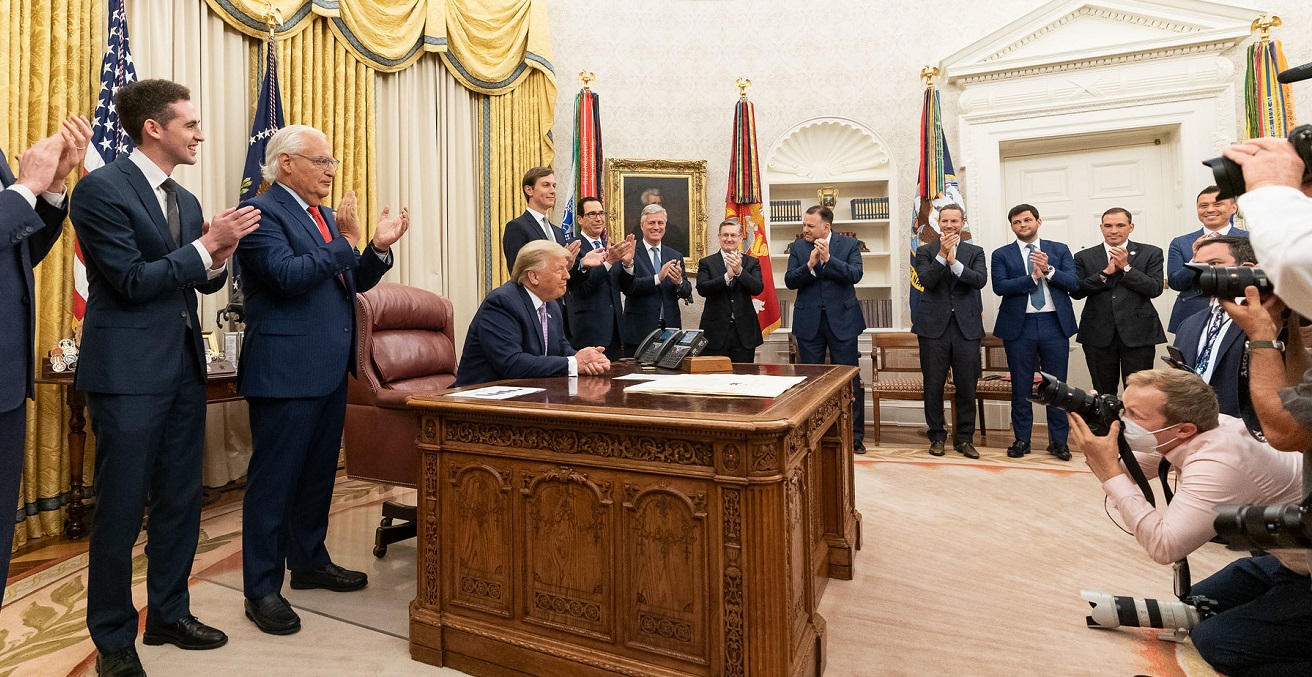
(1126, 268)
(1278, 345)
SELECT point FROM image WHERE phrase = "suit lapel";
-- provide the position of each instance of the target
(533, 320)
(1231, 335)
(148, 199)
(301, 216)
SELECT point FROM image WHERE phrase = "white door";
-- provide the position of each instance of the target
(1072, 184)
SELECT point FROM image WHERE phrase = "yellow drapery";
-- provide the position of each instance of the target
(513, 135)
(48, 63)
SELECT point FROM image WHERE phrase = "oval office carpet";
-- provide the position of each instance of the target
(969, 568)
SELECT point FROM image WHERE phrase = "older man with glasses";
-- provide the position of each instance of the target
(596, 317)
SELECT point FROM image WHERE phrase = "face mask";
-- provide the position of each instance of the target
(1141, 439)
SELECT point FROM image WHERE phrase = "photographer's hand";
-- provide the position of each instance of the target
(1268, 161)
(1266, 371)
(1259, 319)
(1100, 453)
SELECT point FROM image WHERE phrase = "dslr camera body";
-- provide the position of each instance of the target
(1230, 176)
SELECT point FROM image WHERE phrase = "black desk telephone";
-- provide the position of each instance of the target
(666, 348)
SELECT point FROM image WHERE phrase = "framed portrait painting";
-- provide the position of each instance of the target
(678, 185)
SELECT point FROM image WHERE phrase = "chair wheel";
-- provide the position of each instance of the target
(385, 522)
(380, 551)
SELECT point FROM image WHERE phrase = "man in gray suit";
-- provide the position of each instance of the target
(948, 319)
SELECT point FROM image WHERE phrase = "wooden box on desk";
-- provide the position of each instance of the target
(609, 532)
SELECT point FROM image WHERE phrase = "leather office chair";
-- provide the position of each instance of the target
(406, 346)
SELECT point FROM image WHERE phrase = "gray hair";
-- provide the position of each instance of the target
(652, 209)
(289, 140)
(535, 256)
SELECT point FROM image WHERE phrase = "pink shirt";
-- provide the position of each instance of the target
(1221, 466)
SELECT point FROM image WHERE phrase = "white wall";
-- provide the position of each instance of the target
(666, 70)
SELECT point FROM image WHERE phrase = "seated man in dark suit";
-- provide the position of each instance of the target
(1119, 327)
(594, 310)
(654, 283)
(1213, 345)
(1215, 215)
(949, 324)
(729, 279)
(506, 336)
(539, 187)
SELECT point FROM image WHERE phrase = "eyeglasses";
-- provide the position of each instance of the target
(594, 214)
(322, 162)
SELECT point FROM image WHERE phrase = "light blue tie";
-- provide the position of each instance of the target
(1037, 297)
(656, 269)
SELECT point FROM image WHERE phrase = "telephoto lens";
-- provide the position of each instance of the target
(1098, 411)
(1263, 527)
(1113, 611)
(1228, 282)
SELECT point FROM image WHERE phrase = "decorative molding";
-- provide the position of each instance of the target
(430, 562)
(732, 457)
(828, 149)
(582, 656)
(664, 627)
(428, 431)
(732, 502)
(733, 622)
(560, 604)
(606, 445)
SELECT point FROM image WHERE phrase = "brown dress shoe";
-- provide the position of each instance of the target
(967, 449)
(936, 448)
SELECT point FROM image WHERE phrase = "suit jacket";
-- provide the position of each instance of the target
(1181, 279)
(1014, 285)
(725, 300)
(1123, 304)
(521, 231)
(28, 235)
(505, 340)
(645, 299)
(300, 300)
(141, 284)
(832, 288)
(947, 295)
(1228, 353)
(594, 305)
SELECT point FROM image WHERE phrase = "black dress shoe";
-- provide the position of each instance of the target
(936, 448)
(1060, 451)
(1018, 449)
(858, 447)
(122, 663)
(967, 449)
(187, 633)
(273, 615)
(331, 577)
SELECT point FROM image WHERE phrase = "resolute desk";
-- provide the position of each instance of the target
(581, 531)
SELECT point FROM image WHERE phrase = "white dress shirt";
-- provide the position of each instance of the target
(1048, 305)
(156, 178)
(1279, 222)
(543, 224)
(55, 200)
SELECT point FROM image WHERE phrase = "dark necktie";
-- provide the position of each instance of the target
(1037, 298)
(1209, 341)
(171, 215)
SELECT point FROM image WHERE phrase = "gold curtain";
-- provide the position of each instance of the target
(514, 134)
(48, 63)
(326, 87)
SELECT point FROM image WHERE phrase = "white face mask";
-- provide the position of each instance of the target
(1140, 438)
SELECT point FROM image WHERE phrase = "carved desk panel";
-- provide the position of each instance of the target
(582, 531)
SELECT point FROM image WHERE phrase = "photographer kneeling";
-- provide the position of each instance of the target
(1264, 619)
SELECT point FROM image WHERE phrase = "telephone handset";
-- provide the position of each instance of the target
(653, 347)
(690, 343)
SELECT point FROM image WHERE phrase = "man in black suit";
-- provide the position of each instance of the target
(654, 283)
(539, 186)
(32, 211)
(142, 367)
(1212, 345)
(594, 311)
(1119, 327)
(729, 279)
(948, 320)
(300, 274)
(518, 331)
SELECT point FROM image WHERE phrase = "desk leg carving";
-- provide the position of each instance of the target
(74, 526)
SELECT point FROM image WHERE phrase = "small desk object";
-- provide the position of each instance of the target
(582, 531)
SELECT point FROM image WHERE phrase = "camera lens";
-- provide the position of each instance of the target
(1228, 175)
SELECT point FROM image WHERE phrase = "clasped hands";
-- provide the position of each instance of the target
(734, 261)
(947, 248)
(592, 361)
(619, 252)
(819, 254)
(1039, 260)
(1119, 259)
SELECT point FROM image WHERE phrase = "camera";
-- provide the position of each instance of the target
(1098, 411)
(1230, 176)
(1252, 527)
(1228, 282)
(1114, 611)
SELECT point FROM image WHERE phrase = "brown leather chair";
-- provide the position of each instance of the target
(406, 346)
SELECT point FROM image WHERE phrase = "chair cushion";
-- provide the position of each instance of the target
(397, 306)
(401, 354)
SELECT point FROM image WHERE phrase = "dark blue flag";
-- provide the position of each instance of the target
(268, 119)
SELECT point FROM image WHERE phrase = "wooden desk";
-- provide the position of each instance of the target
(221, 388)
(582, 531)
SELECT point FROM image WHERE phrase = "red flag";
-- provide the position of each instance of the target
(744, 203)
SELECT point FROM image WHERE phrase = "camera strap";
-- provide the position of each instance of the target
(1132, 466)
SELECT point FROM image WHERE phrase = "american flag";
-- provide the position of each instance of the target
(108, 138)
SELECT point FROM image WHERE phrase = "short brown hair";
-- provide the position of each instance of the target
(144, 100)
(826, 214)
(1129, 218)
(1189, 399)
(729, 222)
(532, 176)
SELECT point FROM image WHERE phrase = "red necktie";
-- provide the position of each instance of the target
(323, 225)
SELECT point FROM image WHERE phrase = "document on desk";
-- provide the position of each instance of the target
(738, 385)
(495, 393)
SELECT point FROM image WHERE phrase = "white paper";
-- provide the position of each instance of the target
(638, 376)
(739, 385)
(495, 393)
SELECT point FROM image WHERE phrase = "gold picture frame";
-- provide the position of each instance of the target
(681, 185)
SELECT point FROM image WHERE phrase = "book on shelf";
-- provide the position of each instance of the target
(869, 208)
(878, 313)
(786, 211)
